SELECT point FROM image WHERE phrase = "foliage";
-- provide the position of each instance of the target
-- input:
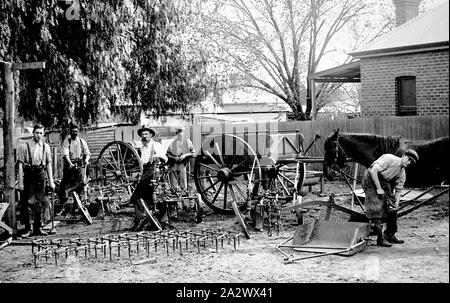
(115, 56)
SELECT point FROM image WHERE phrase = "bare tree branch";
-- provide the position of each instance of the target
(277, 42)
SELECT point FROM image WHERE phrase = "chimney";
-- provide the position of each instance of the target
(406, 10)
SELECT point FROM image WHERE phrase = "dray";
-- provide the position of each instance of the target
(256, 173)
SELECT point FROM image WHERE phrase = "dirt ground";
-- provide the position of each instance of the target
(424, 257)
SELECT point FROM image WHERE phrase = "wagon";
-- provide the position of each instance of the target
(232, 172)
(256, 173)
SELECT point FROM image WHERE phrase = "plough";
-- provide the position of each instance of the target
(358, 216)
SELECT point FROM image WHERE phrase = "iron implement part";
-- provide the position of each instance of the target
(135, 244)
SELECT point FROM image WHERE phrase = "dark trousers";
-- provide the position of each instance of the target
(391, 223)
(32, 199)
(144, 190)
(72, 179)
(376, 206)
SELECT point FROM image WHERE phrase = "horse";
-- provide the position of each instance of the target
(364, 149)
(432, 167)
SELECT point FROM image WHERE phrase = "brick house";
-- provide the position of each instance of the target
(406, 71)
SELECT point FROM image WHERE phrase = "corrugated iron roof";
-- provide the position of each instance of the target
(350, 72)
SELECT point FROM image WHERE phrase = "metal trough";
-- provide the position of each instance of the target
(327, 238)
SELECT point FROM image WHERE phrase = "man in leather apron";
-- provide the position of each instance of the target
(382, 184)
(152, 155)
(34, 166)
(76, 157)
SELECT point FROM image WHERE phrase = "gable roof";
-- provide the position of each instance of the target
(425, 32)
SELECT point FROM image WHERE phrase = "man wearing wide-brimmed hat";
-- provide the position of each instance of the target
(383, 182)
(179, 152)
(152, 154)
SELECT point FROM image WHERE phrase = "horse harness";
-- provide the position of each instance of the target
(336, 155)
(345, 176)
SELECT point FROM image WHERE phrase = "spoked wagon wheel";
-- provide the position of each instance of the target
(240, 217)
(284, 178)
(225, 172)
(82, 208)
(120, 166)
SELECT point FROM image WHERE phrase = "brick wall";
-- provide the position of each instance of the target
(378, 83)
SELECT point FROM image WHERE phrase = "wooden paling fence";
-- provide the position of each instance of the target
(414, 128)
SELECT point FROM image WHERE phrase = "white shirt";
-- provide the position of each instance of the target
(154, 149)
(73, 148)
(390, 167)
(180, 147)
(38, 156)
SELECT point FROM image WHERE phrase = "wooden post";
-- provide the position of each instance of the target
(7, 72)
(8, 139)
(313, 97)
(355, 176)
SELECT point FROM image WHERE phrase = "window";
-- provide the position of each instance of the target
(406, 96)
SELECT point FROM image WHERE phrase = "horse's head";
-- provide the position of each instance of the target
(334, 155)
(403, 145)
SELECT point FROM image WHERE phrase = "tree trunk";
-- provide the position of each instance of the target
(297, 110)
(308, 99)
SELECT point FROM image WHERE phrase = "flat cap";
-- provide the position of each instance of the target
(412, 154)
